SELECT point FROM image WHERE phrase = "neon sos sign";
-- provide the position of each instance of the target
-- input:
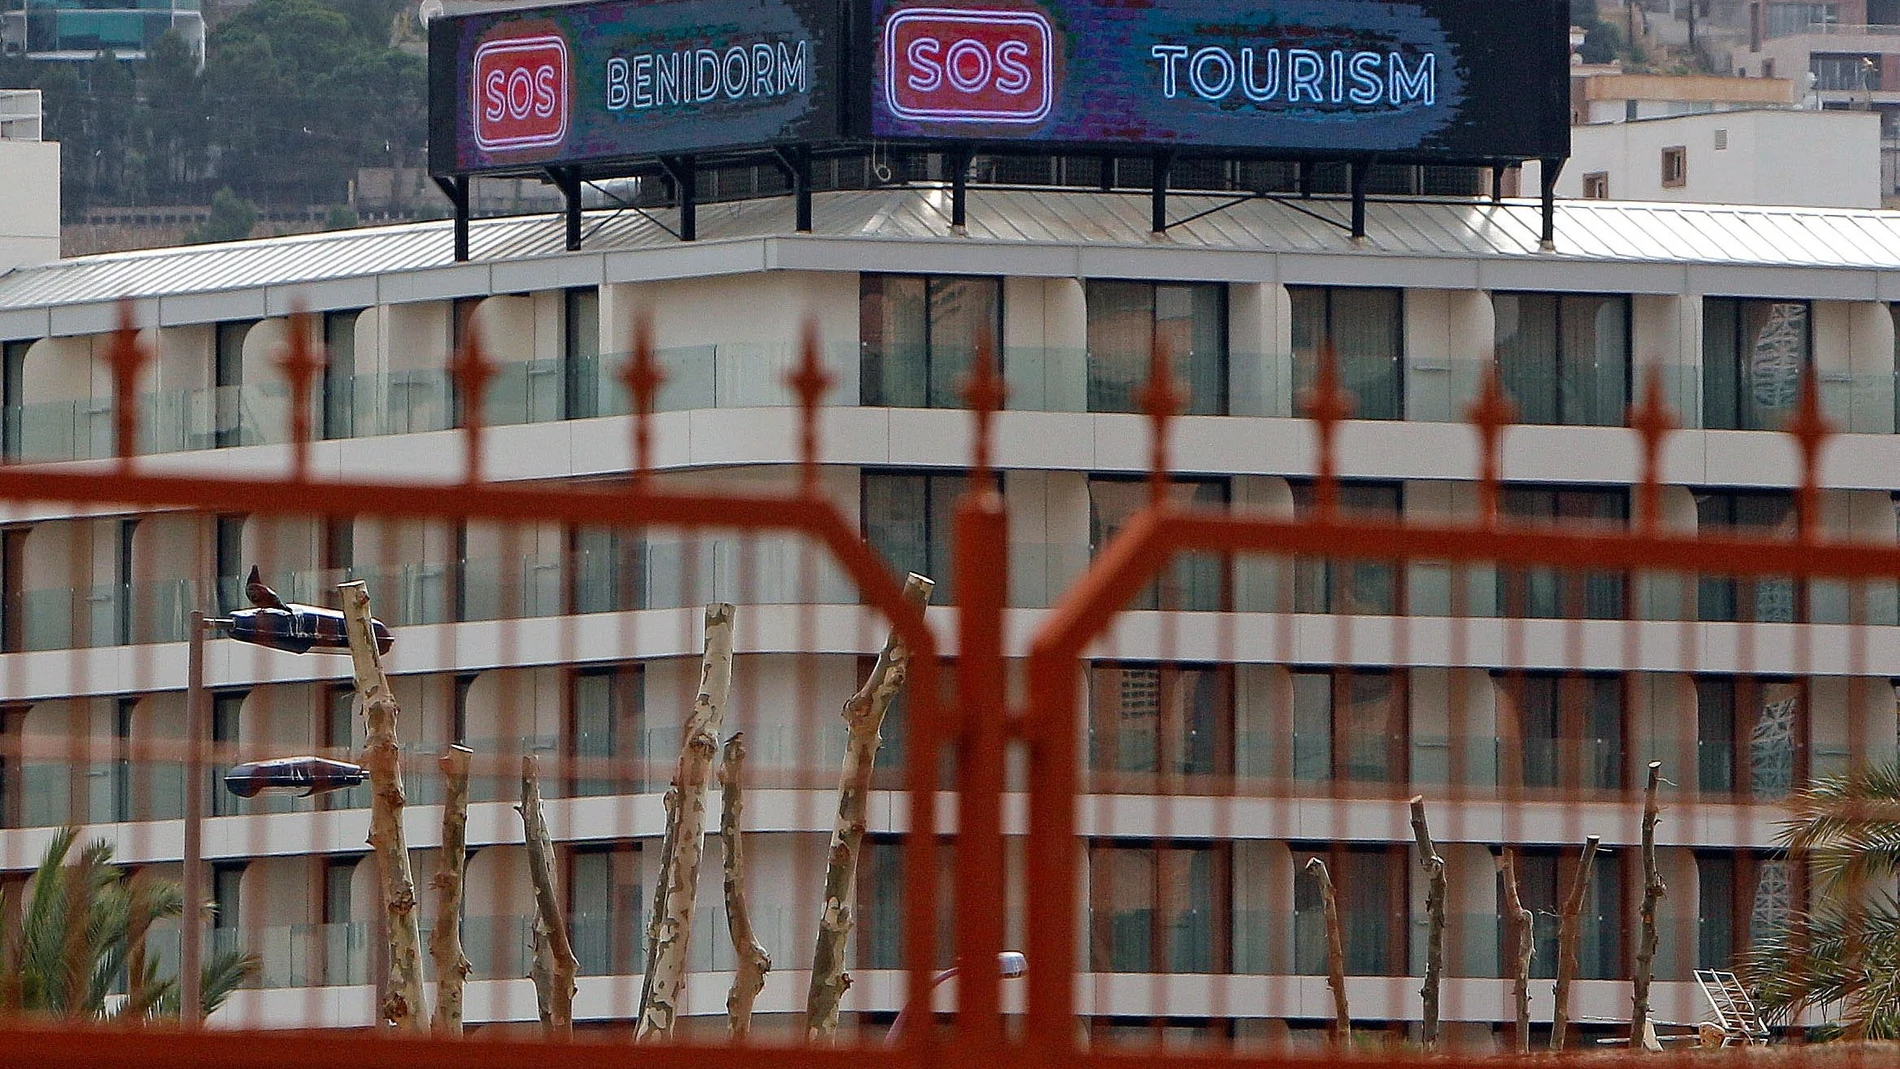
(969, 65)
(522, 92)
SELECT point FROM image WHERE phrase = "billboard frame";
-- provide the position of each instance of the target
(854, 112)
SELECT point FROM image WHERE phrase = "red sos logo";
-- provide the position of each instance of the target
(968, 65)
(521, 92)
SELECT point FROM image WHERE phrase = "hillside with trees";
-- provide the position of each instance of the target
(294, 97)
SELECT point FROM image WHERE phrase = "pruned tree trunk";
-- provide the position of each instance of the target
(1335, 954)
(445, 939)
(1653, 891)
(749, 978)
(1567, 938)
(1434, 867)
(672, 930)
(1526, 941)
(554, 954)
(403, 1005)
(863, 716)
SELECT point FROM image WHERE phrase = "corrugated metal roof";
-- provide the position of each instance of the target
(1586, 230)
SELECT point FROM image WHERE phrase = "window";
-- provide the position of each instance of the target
(1544, 880)
(1566, 593)
(1675, 167)
(345, 951)
(123, 594)
(609, 569)
(1372, 889)
(580, 353)
(1366, 330)
(1787, 20)
(1741, 897)
(604, 908)
(339, 374)
(342, 741)
(227, 877)
(604, 730)
(460, 311)
(12, 765)
(1176, 720)
(1571, 729)
(1195, 582)
(917, 336)
(228, 549)
(1596, 185)
(13, 589)
(338, 552)
(1754, 353)
(12, 397)
(1721, 139)
(1323, 584)
(1126, 320)
(881, 892)
(908, 518)
(1762, 599)
(1349, 725)
(122, 768)
(227, 370)
(1845, 72)
(227, 708)
(1565, 358)
(1751, 736)
(1158, 908)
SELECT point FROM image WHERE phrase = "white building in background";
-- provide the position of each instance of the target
(1730, 305)
(29, 175)
(1822, 159)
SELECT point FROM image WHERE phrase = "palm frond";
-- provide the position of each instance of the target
(225, 972)
(1840, 953)
(1848, 824)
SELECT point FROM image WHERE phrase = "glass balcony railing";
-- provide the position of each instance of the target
(750, 376)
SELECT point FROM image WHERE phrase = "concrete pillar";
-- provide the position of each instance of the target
(1045, 343)
(1662, 725)
(1048, 540)
(1853, 355)
(1666, 339)
(1447, 334)
(1260, 349)
(1667, 595)
(1454, 721)
(1257, 578)
(1263, 723)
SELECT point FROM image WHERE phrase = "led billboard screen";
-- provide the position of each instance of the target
(582, 83)
(1423, 79)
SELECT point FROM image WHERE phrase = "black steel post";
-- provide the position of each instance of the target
(568, 180)
(801, 188)
(1306, 178)
(685, 182)
(1359, 169)
(1108, 174)
(1548, 172)
(1158, 193)
(958, 160)
(1497, 183)
(456, 189)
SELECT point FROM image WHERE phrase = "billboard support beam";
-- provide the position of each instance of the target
(456, 189)
(795, 164)
(680, 170)
(1547, 177)
(1497, 182)
(568, 181)
(959, 160)
(1306, 179)
(1359, 169)
(1158, 193)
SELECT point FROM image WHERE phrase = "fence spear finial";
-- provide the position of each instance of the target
(1652, 420)
(1490, 412)
(128, 358)
(1162, 400)
(1326, 404)
(810, 381)
(300, 367)
(470, 370)
(642, 377)
(1810, 430)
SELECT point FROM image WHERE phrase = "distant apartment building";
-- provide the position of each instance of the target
(1819, 159)
(83, 29)
(29, 172)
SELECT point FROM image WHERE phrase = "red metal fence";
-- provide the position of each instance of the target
(1008, 694)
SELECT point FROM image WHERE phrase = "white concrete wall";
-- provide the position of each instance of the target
(1814, 158)
(29, 202)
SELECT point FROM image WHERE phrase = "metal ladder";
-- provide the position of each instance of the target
(1734, 1010)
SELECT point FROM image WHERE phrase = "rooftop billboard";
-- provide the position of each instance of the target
(1424, 79)
(623, 79)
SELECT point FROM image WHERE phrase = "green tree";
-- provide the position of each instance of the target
(84, 927)
(1847, 948)
(232, 218)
